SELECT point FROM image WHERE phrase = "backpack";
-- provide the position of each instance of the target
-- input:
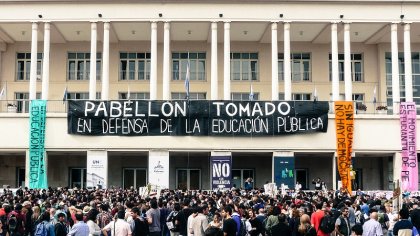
(327, 224)
(41, 230)
(12, 222)
(170, 221)
(242, 226)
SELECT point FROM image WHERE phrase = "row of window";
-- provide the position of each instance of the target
(136, 66)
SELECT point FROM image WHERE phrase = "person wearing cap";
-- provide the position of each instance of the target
(118, 227)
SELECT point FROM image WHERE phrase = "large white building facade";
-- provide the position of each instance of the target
(362, 51)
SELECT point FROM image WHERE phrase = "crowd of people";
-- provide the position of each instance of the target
(237, 212)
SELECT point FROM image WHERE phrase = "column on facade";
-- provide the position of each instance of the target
(395, 69)
(153, 61)
(159, 161)
(334, 171)
(214, 80)
(274, 63)
(334, 63)
(105, 63)
(92, 78)
(34, 58)
(97, 168)
(226, 63)
(166, 60)
(46, 62)
(407, 64)
(347, 64)
(287, 65)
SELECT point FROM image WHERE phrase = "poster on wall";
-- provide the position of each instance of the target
(97, 169)
(284, 171)
(37, 162)
(221, 178)
(409, 169)
(159, 169)
(344, 126)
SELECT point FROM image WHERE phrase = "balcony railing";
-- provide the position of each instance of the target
(60, 106)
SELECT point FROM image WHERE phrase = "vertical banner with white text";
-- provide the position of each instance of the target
(97, 169)
(344, 119)
(221, 178)
(409, 170)
(159, 168)
(284, 169)
(37, 162)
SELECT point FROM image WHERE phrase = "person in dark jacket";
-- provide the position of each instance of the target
(60, 227)
(282, 228)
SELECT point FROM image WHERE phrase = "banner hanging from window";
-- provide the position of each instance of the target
(409, 169)
(344, 122)
(221, 178)
(37, 162)
(284, 172)
(199, 118)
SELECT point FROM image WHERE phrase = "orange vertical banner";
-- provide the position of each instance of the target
(344, 126)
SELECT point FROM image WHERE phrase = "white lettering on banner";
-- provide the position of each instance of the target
(231, 109)
(221, 170)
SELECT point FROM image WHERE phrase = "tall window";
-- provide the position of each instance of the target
(23, 66)
(134, 66)
(79, 66)
(193, 96)
(81, 96)
(197, 65)
(415, 63)
(134, 96)
(301, 66)
(244, 96)
(244, 66)
(356, 67)
(22, 101)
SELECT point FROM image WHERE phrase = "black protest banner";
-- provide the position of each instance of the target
(200, 118)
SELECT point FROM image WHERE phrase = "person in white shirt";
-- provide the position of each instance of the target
(93, 227)
(118, 227)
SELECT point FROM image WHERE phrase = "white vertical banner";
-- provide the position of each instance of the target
(159, 168)
(97, 169)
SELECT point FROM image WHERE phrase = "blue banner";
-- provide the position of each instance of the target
(37, 162)
(284, 171)
(221, 178)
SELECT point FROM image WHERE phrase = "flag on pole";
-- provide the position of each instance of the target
(251, 94)
(128, 93)
(315, 95)
(374, 95)
(65, 95)
(2, 93)
(187, 80)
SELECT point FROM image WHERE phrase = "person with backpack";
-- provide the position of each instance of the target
(118, 227)
(316, 219)
(172, 224)
(342, 224)
(229, 225)
(237, 218)
(272, 219)
(44, 227)
(141, 228)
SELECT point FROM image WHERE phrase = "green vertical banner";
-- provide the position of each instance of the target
(37, 162)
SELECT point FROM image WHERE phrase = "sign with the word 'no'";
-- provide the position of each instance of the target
(221, 178)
